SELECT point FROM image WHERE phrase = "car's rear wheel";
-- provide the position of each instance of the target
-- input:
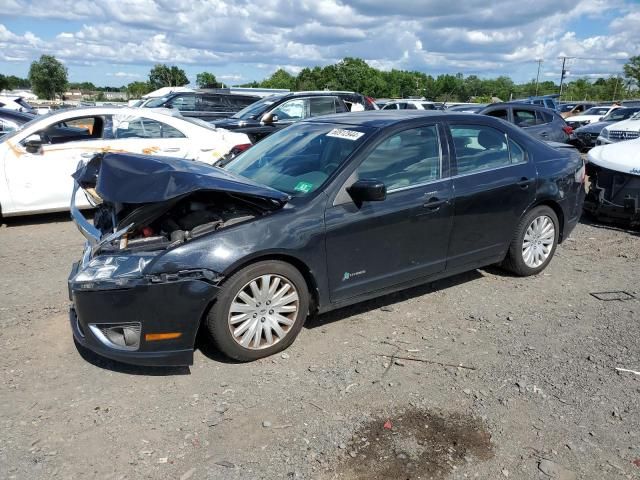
(259, 310)
(534, 242)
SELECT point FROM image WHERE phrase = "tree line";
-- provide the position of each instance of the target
(48, 79)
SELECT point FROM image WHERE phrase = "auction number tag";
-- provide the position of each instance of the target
(347, 134)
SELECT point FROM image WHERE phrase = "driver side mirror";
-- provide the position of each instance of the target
(367, 191)
(600, 119)
(33, 143)
(269, 118)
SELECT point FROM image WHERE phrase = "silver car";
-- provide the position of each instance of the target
(544, 123)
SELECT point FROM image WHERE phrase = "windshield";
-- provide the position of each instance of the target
(155, 102)
(597, 111)
(257, 108)
(299, 159)
(620, 114)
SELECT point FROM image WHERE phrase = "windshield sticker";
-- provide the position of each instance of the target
(347, 134)
(304, 187)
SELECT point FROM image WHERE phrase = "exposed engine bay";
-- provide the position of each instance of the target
(613, 195)
(164, 225)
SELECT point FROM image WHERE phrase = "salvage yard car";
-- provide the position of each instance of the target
(278, 111)
(37, 160)
(594, 114)
(541, 122)
(12, 120)
(328, 212)
(203, 104)
(628, 129)
(589, 134)
(614, 183)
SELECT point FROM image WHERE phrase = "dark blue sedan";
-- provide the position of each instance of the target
(323, 214)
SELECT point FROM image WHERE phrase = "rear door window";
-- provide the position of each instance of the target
(140, 127)
(523, 117)
(210, 103)
(479, 147)
(502, 113)
(411, 106)
(321, 106)
(543, 117)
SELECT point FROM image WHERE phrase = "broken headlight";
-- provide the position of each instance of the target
(112, 271)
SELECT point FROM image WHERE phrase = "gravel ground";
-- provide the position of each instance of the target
(521, 381)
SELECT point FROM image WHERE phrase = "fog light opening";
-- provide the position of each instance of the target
(121, 337)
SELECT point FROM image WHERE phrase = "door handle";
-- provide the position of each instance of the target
(544, 134)
(434, 204)
(524, 183)
(172, 149)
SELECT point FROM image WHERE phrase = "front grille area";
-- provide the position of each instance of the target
(623, 135)
(587, 138)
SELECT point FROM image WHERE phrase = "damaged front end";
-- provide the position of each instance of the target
(614, 188)
(146, 206)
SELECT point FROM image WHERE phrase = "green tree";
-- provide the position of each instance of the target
(164, 76)
(280, 79)
(138, 89)
(48, 77)
(632, 69)
(206, 80)
(4, 82)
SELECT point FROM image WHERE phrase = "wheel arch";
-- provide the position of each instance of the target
(297, 263)
(557, 209)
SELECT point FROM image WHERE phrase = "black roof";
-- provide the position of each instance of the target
(15, 115)
(384, 118)
(528, 106)
(316, 93)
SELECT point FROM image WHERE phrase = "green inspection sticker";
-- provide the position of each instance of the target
(304, 187)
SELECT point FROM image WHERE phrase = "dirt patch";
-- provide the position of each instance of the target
(415, 445)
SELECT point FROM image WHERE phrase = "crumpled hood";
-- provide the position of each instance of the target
(233, 123)
(621, 157)
(136, 179)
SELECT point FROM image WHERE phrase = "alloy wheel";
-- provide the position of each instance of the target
(263, 312)
(538, 241)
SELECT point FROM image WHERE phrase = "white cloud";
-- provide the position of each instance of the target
(436, 36)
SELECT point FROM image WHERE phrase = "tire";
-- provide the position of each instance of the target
(244, 310)
(524, 262)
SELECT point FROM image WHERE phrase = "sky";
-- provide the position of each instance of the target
(115, 42)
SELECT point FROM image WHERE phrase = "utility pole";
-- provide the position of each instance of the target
(538, 75)
(564, 72)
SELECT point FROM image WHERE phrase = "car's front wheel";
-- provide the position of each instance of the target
(259, 310)
(534, 242)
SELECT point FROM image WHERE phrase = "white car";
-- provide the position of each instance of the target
(628, 129)
(36, 161)
(15, 103)
(409, 105)
(594, 114)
